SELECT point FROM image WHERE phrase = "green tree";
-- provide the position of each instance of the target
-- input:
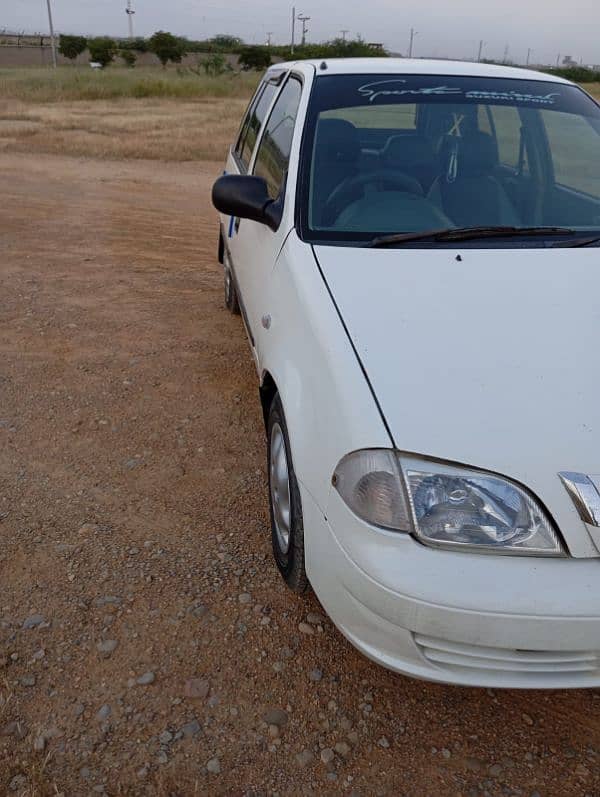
(215, 64)
(167, 47)
(72, 46)
(129, 56)
(224, 42)
(102, 49)
(258, 58)
(138, 44)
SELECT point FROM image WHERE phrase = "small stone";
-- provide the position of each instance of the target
(162, 757)
(191, 729)
(146, 679)
(165, 737)
(78, 709)
(274, 731)
(527, 719)
(213, 766)
(28, 680)
(446, 753)
(304, 758)
(107, 600)
(16, 728)
(17, 783)
(103, 713)
(327, 755)
(245, 598)
(314, 619)
(353, 738)
(496, 770)
(383, 742)
(107, 647)
(474, 764)
(276, 716)
(40, 743)
(85, 773)
(343, 749)
(315, 675)
(196, 688)
(33, 621)
(305, 628)
(142, 773)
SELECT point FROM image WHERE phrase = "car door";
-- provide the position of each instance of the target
(256, 246)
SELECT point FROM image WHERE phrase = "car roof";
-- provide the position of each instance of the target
(416, 66)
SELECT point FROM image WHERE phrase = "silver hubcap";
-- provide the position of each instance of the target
(280, 488)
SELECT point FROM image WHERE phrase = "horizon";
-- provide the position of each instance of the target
(544, 27)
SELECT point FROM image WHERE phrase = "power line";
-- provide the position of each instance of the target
(52, 39)
(413, 33)
(130, 12)
(304, 19)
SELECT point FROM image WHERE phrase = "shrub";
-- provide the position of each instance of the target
(258, 58)
(578, 74)
(215, 64)
(72, 46)
(102, 49)
(167, 47)
(129, 56)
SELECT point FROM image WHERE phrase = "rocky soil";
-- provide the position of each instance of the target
(147, 643)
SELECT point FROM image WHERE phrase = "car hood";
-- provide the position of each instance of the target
(484, 358)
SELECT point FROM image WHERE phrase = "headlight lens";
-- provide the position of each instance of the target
(445, 506)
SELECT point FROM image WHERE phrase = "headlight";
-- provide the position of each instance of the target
(445, 506)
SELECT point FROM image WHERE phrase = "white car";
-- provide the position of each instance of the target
(413, 246)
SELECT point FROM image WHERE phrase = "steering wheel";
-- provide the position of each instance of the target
(346, 191)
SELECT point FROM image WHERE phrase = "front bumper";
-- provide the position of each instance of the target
(470, 619)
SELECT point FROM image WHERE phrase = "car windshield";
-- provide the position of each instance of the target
(387, 154)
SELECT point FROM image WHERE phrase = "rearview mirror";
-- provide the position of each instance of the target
(246, 197)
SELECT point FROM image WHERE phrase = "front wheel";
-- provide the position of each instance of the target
(287, 528)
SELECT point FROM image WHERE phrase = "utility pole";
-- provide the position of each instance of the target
(529, 51)
(269, 35)
(304, 19)
(558, 60)
(413, 33)
(505, 59)
(293, 29)
(130, 12)
(344, 34)
(52, 39)
(481, 44)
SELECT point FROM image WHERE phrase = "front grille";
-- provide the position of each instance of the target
(458, 656)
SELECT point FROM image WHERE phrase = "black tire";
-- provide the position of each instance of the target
(231, 299)
(290, 561)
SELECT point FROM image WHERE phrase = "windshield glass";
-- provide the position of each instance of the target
(407, 153)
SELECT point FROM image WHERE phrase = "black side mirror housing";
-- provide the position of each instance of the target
(246, 197)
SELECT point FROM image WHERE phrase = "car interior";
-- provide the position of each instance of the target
(444, 171)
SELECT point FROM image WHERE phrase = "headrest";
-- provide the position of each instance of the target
(408, 150)
(470, 156)
(337, 141)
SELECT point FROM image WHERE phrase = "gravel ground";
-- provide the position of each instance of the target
(147, 643)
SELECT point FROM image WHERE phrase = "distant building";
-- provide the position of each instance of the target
(569, 61)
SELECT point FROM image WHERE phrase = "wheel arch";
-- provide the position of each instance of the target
(268, 390)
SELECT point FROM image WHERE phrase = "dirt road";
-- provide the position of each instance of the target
(147, 644)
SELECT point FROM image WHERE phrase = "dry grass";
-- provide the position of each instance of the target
(593, 89)
(121, 113)
(161, 129)
(67, 84)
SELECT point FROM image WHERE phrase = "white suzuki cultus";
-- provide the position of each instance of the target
(413, 246)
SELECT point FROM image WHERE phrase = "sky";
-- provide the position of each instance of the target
(443, 29)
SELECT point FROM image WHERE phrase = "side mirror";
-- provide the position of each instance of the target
(246, 197)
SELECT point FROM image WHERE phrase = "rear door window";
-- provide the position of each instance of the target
(255, 120)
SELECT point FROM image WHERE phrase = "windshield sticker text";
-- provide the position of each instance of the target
(397, 88)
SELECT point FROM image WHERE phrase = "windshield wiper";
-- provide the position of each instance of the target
(466, 234)
(577, 242)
